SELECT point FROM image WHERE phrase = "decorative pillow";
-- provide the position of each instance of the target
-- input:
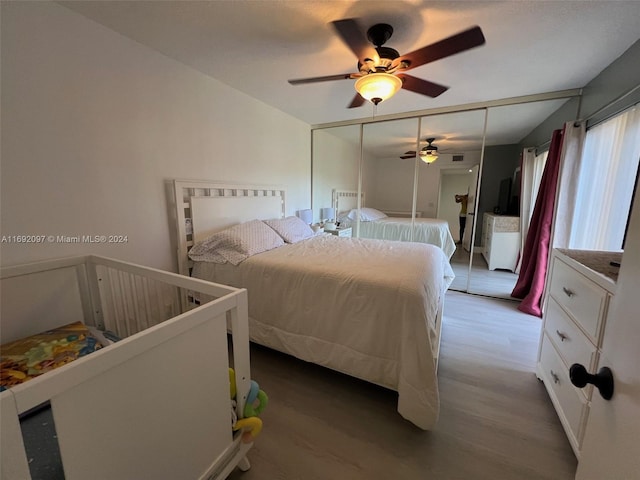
(366, 214)
(291, 229)
(237, 243)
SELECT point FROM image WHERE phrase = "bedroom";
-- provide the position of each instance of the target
(94, 123)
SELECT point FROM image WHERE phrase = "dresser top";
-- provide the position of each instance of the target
(597, 261)
(504, 223)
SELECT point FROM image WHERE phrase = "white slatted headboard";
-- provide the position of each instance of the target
(203, 208)
(345, 200)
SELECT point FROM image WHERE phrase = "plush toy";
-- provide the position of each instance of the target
(256, 402)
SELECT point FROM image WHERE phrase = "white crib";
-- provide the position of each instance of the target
(155, 404)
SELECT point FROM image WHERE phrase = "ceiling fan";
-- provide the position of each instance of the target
(428, 153)
(380, 68)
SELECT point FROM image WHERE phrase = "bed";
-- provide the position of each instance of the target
(155, 404)
(371, 309)
(376, 224)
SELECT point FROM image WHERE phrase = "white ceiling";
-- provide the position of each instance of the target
(256, 46)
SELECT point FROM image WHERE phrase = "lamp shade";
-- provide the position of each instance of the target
(328, 213)
(305, 215)
(377, 87)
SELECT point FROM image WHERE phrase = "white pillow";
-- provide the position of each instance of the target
(366, 214)
(344, 220)
(291, 229)
(237, 243)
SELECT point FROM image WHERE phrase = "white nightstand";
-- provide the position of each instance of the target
(340, 232)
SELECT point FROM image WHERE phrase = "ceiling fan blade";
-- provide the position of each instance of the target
(351, 34)
(357, 101)
(327, 78)
(410, 154)
(421, 86)
(449, 46)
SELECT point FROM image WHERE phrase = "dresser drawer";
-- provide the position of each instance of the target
(488, 220)
(570, 404)
(572, 345)
(584, 300)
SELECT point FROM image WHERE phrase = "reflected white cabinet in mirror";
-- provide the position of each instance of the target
(500, 241)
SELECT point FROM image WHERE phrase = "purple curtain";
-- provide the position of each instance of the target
(530, 284)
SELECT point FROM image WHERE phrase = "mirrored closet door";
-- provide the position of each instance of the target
(335, 167)
(479, 152)
(498, 239)
(447, 186)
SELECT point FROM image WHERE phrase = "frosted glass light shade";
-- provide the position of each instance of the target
(377, 87)
(429, 155)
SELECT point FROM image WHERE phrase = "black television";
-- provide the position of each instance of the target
(504, 196)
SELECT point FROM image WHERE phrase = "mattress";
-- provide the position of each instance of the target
(367, 308)
(432, 231)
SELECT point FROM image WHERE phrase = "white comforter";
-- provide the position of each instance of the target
(433, 231)
(363, 307)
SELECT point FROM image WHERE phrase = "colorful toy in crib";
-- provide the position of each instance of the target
(256, 402)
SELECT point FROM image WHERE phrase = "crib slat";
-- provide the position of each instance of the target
(95, 295)
(115, 313)
(123, 300)
(147, 302)
(135, 320)
(158, 302)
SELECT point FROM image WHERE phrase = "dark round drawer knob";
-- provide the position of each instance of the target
(603, 380)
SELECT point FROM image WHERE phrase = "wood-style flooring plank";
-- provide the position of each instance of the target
(496, 420)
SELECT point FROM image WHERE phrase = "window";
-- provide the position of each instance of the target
(609, 166)
(537, 169)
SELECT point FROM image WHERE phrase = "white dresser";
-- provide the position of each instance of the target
(500, 241)
(578, 292)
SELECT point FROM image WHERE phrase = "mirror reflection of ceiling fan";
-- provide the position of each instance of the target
(380, 69)
(428, 153)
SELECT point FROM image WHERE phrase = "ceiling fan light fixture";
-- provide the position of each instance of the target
(429, 154)
(377, 87)
(429, 157)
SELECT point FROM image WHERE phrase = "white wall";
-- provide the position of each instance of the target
(94, 124)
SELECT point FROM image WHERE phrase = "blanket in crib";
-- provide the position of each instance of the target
(28, 357)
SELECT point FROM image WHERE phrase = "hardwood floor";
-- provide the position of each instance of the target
(496, 420)
(492, 283)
